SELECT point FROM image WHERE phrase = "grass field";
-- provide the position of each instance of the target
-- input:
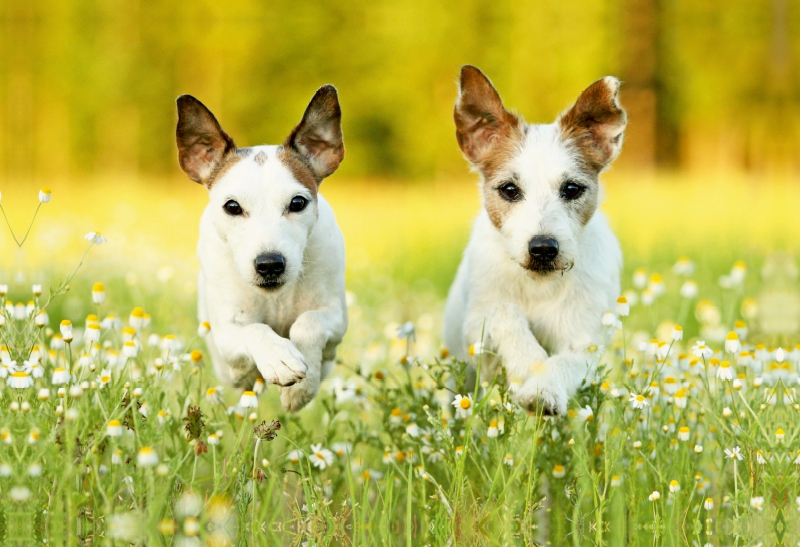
(138, 450)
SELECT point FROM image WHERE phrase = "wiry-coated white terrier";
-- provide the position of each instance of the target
(271, 254)
(542, 265)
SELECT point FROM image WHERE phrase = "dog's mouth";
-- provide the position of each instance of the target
(270, 283)
(544, 268)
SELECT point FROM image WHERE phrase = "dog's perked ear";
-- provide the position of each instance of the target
(482, 122)
(318, 136)
(596, 122)
(202, 144)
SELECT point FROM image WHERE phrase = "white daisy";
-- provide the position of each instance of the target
(463, 406)
(320, 457)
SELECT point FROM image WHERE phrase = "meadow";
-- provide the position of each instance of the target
(114, 430)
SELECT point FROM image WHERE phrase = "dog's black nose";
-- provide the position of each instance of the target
(270, 264)
(543, 249)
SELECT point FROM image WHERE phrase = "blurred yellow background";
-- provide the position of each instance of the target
(87, 88)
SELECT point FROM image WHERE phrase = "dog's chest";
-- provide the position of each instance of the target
(279, 313)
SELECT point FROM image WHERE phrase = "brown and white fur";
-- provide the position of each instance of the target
(542, 265)
(271, 254)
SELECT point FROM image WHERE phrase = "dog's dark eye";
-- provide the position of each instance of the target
(232, 208)
(297, 204)
(510, 191)
(571, 190)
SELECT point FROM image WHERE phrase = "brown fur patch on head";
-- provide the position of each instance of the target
(318, 136)
(229, 161)
(203, 147)
(487, 133)
(496, 207)
(595, 123)
(299, 168)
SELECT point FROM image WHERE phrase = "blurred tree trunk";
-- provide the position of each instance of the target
(652, 138)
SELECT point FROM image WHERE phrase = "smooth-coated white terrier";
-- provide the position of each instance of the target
(542, 265)
(271, 283)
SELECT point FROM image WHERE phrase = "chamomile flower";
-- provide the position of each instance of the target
(477, 348)
(609, 319)
(585, 414)
(757, 503)
(45, 194)
(559, 471)
(407, 331)
(95, 237)
(656, 284)
(203, 329)
(66, 330)
(147, 457)
(320, 457)
(396, 416)
(130, 349)
(114, 428)
(683, 433)
(248, 400)
(136, 319)
(623, 308)
(42, 319)
(708, 504)
(639, 278)
(508, 459)
(258, 386)
(92, 333)
(732, 344)
(638, 402)
(20, 380)
(493, 431)
(684, 266)
(341, 449)
(98, 293)
(655, 496)
(734, 453)
(214, 395)
(701, 350)
(725, 371)
(463, 406)
(674, 486)
(104, 378)
(738, 272)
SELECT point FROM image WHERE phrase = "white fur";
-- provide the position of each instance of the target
(539, 325)
(289, 334)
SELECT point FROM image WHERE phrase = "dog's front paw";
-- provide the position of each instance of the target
(281, 363)
(294, 398)
(540, 395)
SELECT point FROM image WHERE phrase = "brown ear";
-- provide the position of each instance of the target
(318, 136)
(596, 122)
(481, 119)
(202, 144)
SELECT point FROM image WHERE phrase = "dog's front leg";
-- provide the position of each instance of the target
(507, 332)
(554, 381)
(311, 333)
(276, 358)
